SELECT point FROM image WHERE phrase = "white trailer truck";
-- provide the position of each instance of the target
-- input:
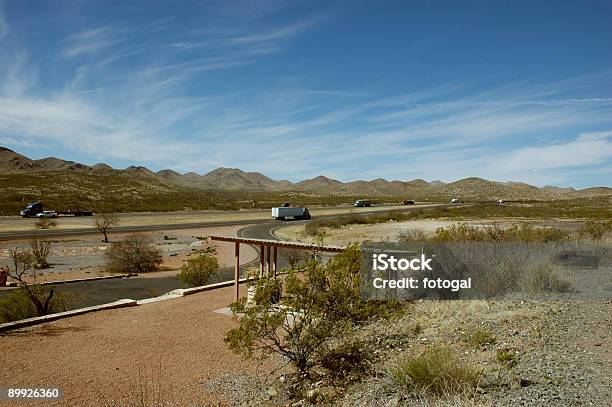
(291, 212)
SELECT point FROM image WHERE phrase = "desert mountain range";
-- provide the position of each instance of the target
(236, 179)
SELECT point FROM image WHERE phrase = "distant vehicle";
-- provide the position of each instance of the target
(47, 214)
(362, 203)
(408, 202)
(33, 209)
(285, 205)
(456, 201)
(500, 201)
(294, 213)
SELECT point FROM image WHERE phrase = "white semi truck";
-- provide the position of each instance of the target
(290, 212)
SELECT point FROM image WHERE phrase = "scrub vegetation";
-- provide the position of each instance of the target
(597, 211)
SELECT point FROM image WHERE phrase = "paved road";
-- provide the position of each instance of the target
(123, 229)
(103, 291)
(174, 226)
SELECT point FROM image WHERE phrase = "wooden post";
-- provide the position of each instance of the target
(262, 256)
(268, 249)
(237, 270)
(275, 260)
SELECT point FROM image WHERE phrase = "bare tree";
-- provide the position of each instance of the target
(105, 221)
(24, 272)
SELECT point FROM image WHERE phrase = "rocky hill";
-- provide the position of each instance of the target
(234, 179)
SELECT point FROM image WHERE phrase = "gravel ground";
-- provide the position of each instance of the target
(174, 346)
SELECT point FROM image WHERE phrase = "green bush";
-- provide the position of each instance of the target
(198, 270)
(268, 292)
(18, 305)
(136, 253)
(347, 361)
(437, 372)
(318, 307)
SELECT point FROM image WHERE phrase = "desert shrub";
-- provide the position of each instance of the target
(18, 304)
(45, 223)
(198, 270)
(40, 248)
(480, 337)
(594, 230)
(312, 228)
(293, 256)
(437, 372)
(412, 235)
(134, 254)
(149, 387)
(542, 277)
(316, 308)
(269, 293)
(506, 357)
(15, 306)
(347, 361)
(523, 232)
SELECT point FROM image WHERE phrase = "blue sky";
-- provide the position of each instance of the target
(504, 90)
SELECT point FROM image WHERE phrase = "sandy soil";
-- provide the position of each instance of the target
(391, 230)
(83, 256)
(353, 233)
(172, 345)
(15, 223)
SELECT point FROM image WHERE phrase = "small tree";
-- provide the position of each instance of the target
(26, 275)
(40, 248)
(134, 254)
(198, 270)
(104, 221)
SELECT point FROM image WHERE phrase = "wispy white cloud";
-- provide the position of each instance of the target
(91, 41)
(127, 97)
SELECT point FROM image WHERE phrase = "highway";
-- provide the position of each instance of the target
(103, 291)
(11, 235)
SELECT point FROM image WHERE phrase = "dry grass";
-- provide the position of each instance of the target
(437, 372)
(148, 388)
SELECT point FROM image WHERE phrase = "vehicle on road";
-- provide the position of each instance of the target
(362, 203)
(34, 208)
(47, 214)
(456, 201)
(293, 213)
(500, 201)
(408, 202)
